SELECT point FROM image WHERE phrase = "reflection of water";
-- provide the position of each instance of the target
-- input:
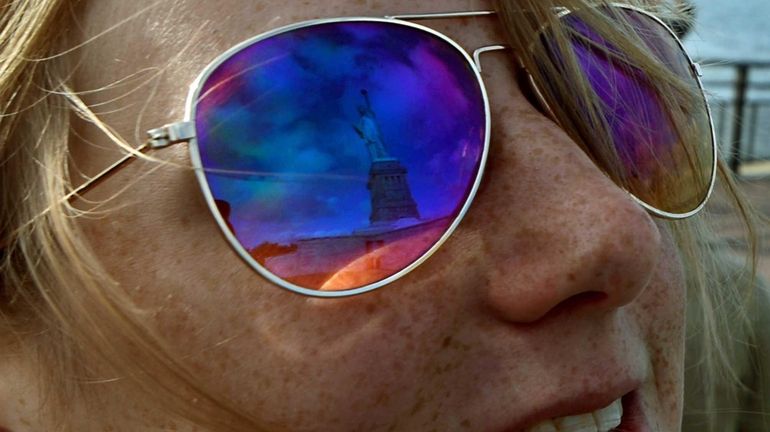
(730, 30)
(342, 262)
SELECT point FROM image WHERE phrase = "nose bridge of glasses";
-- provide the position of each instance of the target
(441, 15)
(485, 49)
(450, 15)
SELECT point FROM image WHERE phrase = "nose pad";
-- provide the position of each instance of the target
(558, 233)
(523, 77)
(529, 91)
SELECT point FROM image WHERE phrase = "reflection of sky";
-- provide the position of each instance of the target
(280, 116)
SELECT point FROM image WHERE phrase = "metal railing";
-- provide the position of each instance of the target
(739, 93)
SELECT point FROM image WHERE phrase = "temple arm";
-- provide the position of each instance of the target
(157, 138)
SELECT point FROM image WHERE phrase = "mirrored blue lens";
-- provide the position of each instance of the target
(340, 153)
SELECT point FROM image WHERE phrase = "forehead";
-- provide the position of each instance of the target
(180, 37)
(174, 40)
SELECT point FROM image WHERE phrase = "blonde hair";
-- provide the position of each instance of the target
(60, 308)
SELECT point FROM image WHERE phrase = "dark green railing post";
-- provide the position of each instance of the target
(741, 85)
(751, 148)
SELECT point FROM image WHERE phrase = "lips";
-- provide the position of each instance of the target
(633, 419)
(603, 420)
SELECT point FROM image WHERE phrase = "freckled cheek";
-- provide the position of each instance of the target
(254, 344)
(659, 311)
(264, 347)
(371, 367)
(662, 305)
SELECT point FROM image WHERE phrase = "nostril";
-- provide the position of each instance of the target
(578, 301)
(575, 303)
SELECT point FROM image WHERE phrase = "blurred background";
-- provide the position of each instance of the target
(731, 40)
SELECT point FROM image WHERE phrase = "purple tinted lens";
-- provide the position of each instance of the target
(339, 153)
(659, 133)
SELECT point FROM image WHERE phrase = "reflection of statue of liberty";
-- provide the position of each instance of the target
(369, 130)
(391, 198)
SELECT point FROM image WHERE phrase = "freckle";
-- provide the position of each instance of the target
(382, 398)
(417, 406)
(466, 424)
(447, 341)
(370, 308)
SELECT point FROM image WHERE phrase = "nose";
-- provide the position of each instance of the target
(556, 232)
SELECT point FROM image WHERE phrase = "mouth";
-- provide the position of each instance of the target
(634, 419)
(622, 415)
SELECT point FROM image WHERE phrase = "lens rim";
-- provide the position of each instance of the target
(190, 114)
(695, 70)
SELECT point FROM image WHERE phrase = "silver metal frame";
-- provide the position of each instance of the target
(441, 15)
(697, 73)
(185, 132)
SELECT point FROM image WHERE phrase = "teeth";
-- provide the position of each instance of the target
(609, 418)
(546, 426)
(603, 420)
(578, 423)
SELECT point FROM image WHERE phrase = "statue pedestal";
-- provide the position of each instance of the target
(391, 198)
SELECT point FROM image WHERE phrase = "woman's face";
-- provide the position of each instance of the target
(556, 296)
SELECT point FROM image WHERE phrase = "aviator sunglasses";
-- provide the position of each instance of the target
(337, 155)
